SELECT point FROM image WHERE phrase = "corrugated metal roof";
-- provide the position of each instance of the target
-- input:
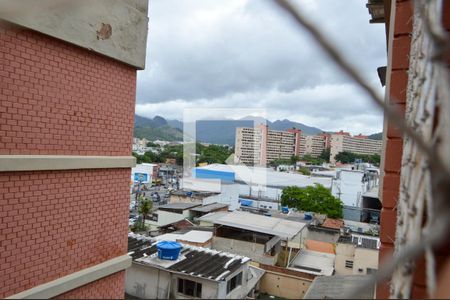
(194, 261)
(209, 207)
(262, 224)
(339, 287)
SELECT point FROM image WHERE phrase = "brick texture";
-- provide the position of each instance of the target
(392, 165)
(56, 223)
(57, 98)
(111, 287)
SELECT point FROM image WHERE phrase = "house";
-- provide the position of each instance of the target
(196, 273)
(258, 237)
(170, 213)
(340, 287)
(357, 254)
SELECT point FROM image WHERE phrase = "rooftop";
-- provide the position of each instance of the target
(339, 287)
(361, 241)
(195, 261)
(333, 223)
(258, 223)
(179, 205)
(320, 246)
(209, 207)
(193, 236)
(313, 262)
(213, 216)
(268, 177)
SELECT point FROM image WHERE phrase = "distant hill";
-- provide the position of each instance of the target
(213, 131)
(156, 129)
(376, 136)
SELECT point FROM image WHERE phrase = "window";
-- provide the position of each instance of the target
(234, 282)
(189, 288)
(349, 264)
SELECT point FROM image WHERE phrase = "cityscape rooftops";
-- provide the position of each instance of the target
(339, 287)
(194, 261)
(274, 226)
(313, 262)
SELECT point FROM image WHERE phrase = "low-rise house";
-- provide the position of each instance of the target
(357, 254)
(196, 273)
(313, 262)
(170, 213)
(340, 287)
(256, 236)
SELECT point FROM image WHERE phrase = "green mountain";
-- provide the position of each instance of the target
(376, 136)
(156, 129)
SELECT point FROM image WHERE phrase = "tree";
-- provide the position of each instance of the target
(325, 155)
(312, 198)
(294, 159)
(304, 171)
(346, 157)
(145, 207)
(312, 160)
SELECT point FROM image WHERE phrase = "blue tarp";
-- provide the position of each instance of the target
(246, 202)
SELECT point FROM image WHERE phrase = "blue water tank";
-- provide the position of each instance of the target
(168, 250)
(284, 209)
(308, 216)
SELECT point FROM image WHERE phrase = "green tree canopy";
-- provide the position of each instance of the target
(312, 198)
(346, 157)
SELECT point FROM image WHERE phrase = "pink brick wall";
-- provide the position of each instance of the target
(57, 98)
(111, 287)
(56, 223)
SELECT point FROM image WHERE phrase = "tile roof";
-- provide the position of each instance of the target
(320, 246)
(194, 261)
(333, 223)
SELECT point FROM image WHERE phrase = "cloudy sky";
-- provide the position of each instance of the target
(248, 54)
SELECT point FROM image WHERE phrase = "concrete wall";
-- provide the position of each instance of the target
(114, 28)
(284, 285)
(229, 194)
(253, 250)
(152, 283)
(365, 258)
(344, 252)
(362, 259)
(164, 218)
(322, 235)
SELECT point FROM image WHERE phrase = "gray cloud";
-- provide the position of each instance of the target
(237, 53)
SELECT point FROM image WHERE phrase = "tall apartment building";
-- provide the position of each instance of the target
(67, 100)
(315, 144)
(260, 145)
(358, 144)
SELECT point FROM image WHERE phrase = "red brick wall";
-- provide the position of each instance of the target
(56, 223)
(111, 287)
(57, 98)
(393, 151)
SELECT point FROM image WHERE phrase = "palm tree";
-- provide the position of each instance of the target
(145, 207)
